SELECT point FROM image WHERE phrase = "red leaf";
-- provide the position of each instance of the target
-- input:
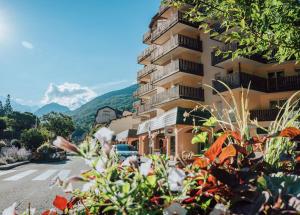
(60, 203)
(231, 151)
(201, 162)
(49, 212)
(73, 201)
(290, 132)
(189, 200)
(298, 159)
(216, 147)
(236, 135)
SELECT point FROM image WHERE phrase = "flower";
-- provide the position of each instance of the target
(62, 143)
(104, 135)
(10, 210)
(146, 168)
(101, 164)
(175, 179)
(175, 208)
(131, 161)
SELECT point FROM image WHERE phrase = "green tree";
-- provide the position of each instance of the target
(3, 124)
(7, 107)
(59, 124)
(32, 138)
(267, 27)
(22, 121)
(1, 109)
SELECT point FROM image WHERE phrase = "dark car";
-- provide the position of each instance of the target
(124, 151)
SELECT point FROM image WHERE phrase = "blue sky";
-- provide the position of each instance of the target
(69, 51)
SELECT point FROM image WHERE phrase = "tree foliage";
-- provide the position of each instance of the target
(7, 106)
(32, 139)
(59, 124)
(267, 27)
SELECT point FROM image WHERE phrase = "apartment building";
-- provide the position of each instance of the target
(178, 63)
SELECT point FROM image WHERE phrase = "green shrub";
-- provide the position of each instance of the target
(15, 143)
(32, 139)
(46, 150)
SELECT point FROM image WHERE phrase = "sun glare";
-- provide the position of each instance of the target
(4, 27)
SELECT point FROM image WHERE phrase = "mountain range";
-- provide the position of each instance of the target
(84, 116)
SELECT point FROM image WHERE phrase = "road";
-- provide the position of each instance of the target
(30, 183)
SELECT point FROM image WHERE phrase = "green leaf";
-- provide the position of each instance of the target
(211, 122)
(126, 187)
(243, 23)
(152, 180)
(262, 182)
(200, 138)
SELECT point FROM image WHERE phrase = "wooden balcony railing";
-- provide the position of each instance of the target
(264, 115)
(233, 47)
(177, 17)
(178, 92)
(146, 70)
(240, 79)
(146, 53)
(177, 66)
(143, 89)
(176, 41)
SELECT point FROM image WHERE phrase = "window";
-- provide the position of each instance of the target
(278, 74)
(274, 104)
(297, 70)
(230, 71)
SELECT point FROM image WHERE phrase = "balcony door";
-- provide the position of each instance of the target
(275, 80)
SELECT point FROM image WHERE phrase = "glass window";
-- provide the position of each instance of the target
(280, 74)
(282, 102)
(271, 75)
(273, 104)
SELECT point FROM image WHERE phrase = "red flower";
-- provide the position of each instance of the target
(60, 203)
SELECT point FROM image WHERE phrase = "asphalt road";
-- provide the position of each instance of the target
(30, 183)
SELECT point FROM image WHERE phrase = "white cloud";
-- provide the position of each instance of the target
(27, 45)
(107, 85)
(71, 95)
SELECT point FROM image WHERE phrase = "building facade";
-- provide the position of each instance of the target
(179, 62)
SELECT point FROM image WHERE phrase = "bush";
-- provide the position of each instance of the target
(46, 150)
(15, 143)
(2, 144)
(13, 154)
(23, 154)
(32, 139)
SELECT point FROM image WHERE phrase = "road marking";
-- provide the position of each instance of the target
(6, 172)
(20, 175)
(45, 175)
(63, 174)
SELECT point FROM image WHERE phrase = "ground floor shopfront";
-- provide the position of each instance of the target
(168, 134)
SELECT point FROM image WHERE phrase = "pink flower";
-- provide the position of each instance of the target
(62, 143)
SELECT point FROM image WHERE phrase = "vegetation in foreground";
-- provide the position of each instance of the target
(237, 174)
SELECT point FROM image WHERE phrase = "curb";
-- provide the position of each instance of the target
(13, 165)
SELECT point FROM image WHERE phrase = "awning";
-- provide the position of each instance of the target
(124, 135)
(169, 118)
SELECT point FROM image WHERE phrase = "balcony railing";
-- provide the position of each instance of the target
(178, 17)
(146, 53)
(233, 47)
(178, 92)
(287, 83)
(264, 115)
(174, 42)
(143, 89)
(147, 36)
(146, 70)
(177, 66)
(144, 108)
(240, 79)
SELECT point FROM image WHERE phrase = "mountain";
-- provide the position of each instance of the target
(19, 107)
(122, 99)
(52, 107)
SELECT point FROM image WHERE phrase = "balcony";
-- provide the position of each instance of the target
(176, 67)
(143, 90)
(175, 46)
(220, 59)
(146, 71)
(144, 57)
(240, 79)
(147, 37)
(178, 92)
(144, 109)
(175, 23)
(264, 114)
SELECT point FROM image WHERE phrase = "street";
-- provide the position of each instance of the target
(30, 183)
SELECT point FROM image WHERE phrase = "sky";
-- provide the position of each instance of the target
(70, 51)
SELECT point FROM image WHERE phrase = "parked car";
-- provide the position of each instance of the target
(124, 151)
